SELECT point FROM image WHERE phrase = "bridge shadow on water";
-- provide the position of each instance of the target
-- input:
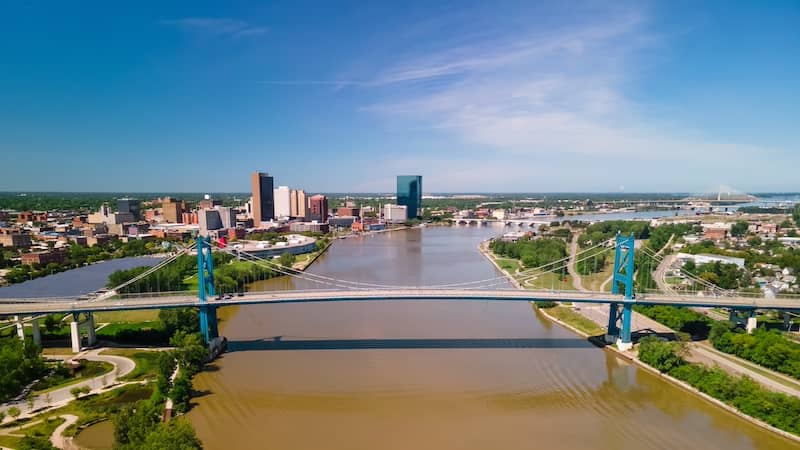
(277, 343)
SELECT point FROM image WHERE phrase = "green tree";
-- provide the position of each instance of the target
(51, 324)
(796, 215)
(13, 412)
(664, 356)
(174, 435)
(287, 259)
(739, 229)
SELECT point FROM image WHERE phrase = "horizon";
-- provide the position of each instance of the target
(521, 97)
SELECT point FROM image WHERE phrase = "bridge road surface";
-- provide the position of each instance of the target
(66, 305)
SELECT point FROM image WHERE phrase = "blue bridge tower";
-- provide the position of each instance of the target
(205, 285)
(619, 318)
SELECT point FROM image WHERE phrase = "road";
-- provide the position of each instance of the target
(577, 281)
(366, 293)
(61, 396)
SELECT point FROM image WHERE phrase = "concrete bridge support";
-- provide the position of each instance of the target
(75, 335)
(36, 332)
(752, 322)
(75, 332)
(20, 327)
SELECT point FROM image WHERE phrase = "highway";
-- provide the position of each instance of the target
(133, 302)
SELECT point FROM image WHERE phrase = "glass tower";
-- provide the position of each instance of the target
(409, 194)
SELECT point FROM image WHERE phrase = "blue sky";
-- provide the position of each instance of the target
(342, 96)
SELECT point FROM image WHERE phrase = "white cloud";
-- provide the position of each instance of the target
(557, 95)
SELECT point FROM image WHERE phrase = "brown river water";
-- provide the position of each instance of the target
(436, 375)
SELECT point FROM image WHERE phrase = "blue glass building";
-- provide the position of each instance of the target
(409, 194)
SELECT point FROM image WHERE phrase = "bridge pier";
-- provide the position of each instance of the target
(36, 332)
(612, 331)
(752, 322)
(208, 323)
(624, 342)
(75, 332)
(20, 327)
(75, 335)
(91, 336)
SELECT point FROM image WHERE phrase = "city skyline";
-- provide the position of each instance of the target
(512, 97)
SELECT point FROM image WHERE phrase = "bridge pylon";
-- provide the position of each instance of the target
(205, 285)
(619, 319)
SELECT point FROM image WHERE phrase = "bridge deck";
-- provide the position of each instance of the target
(66, 305)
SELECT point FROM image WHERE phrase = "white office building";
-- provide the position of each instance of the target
(282, 198)
(395, 213)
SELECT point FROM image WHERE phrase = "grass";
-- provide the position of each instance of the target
(550, 281)
(146, 362)
(40, 430)
(146, 315)
(508, 264)
(569, 316)
(88, 370)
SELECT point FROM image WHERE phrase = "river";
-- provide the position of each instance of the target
(436, 375)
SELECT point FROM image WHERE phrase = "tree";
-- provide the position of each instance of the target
(739, 229)
(175, 435)
(51, 324)
(287, 259)
(14, 412)
(796, 215)
(664, 356)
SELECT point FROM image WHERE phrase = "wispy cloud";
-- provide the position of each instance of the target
(217, 26)
(556, 94)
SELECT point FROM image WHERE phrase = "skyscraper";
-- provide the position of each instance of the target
(318, 208)
(409, 194)
(263, 201)
(129, 206)
(299, 204)
(283, 206)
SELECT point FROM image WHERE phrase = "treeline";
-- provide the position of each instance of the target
(726, 276)
(779, 410)
(20, 363)
(765, 348)
(601, 231)
(78, 256)
(684, 320)
(767, 252)
(229, 275)
(532, 252)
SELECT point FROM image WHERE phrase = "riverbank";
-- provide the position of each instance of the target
(576, 323)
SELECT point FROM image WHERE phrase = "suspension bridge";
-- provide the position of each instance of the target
(620, 300)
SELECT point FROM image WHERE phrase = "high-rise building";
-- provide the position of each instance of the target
(283, 203)
(395, 213)
(129, 206)
(227, 216)
(209, 219)
(409, 194)
(263, 201)
(299, 203)
(172, 210)
(318, 208)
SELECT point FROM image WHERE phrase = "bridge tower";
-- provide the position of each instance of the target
(622, 283)
(205, 288)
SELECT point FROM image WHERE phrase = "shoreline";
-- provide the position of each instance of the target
(631, 358)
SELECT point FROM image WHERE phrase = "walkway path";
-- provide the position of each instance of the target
(57, 439)
(61, 396)
(577, 282)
